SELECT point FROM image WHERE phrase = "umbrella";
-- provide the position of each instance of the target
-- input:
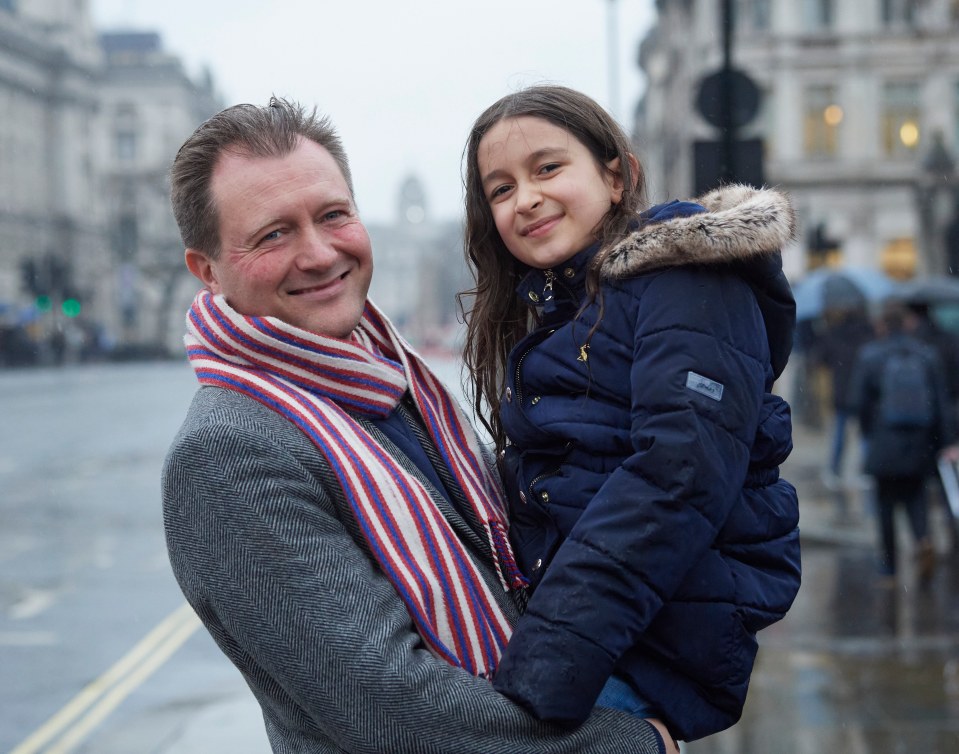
(930, 291)
(840, 289)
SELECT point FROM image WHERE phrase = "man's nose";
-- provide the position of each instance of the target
(315, 249)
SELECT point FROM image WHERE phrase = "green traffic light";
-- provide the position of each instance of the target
(43, 303)
(71, 307)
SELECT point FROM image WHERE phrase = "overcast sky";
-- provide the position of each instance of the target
(402, 81)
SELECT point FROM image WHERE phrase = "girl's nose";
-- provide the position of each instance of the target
(528, 197)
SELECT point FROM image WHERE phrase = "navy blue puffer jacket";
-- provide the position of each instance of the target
(647, 507)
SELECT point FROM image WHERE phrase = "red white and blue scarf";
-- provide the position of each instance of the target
(315, 381)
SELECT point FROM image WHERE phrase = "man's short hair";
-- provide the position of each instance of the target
(251, 130)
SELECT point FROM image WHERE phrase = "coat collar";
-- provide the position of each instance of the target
(553, 290)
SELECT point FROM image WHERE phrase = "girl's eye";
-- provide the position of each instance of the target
(549, 168)
(498, 191)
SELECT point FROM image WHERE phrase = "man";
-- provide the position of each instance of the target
(329, 514)
(898, 389)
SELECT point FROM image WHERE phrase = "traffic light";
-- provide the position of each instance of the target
(71, 307)
(70, 299)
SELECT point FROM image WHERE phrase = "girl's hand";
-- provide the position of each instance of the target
(671, 746)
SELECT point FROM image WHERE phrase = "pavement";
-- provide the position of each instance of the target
(830, 517)
(830, 512)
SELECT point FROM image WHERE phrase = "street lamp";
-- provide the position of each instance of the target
(612, 44)
(937, 176)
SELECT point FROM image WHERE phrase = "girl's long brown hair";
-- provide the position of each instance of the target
(496, 320)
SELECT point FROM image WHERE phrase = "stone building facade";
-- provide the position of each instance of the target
(50, 215)
(859, 116)
(89, 250)
(148, 107)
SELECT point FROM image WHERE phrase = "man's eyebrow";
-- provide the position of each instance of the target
(536, 156)
(254, 236)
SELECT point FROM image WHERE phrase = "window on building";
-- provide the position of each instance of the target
(126, 236)
(898, 12)
(126, 146)
(821, 120)
(125, 131)
(818, 15)
(754, 15)
(900, 119)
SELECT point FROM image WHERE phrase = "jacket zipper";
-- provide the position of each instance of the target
(516, 381)
(548, 288)
(551, 278)
(537, 479)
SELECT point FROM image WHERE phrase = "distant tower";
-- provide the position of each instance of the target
(412, 201)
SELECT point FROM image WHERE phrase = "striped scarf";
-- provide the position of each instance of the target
(315, 382)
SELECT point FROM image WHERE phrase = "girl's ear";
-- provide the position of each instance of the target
(616, 184)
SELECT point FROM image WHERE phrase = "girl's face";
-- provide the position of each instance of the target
(547, 192)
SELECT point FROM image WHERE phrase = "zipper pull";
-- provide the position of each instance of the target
(548, 288)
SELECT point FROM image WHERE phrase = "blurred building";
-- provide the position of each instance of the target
(419, 270)
(148, 107)
(858, 117)
(51, 247)
(89, 250)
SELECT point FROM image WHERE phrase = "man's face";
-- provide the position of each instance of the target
(291, 243)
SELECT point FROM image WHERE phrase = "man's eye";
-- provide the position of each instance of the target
(271, 236)
(334, 215)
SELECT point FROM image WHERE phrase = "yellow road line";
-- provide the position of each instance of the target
(124, 676)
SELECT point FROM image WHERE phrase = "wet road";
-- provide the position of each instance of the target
(858, 666)
(96, 656)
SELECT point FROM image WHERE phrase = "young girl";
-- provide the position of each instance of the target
(625, 361)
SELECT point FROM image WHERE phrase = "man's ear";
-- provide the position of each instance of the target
(202, 268)
(617, 176)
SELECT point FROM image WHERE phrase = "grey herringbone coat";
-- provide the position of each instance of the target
(266, 552)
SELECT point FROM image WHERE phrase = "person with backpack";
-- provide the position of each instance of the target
(898, 390)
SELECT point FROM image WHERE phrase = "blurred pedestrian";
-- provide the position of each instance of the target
(900, 396)
(946, 344)
(843, 332)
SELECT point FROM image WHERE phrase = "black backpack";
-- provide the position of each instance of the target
(907, 399)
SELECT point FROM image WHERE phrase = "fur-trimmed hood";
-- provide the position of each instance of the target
(743, 227)
(740, 223)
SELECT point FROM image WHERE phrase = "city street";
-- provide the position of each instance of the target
(97, 653)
